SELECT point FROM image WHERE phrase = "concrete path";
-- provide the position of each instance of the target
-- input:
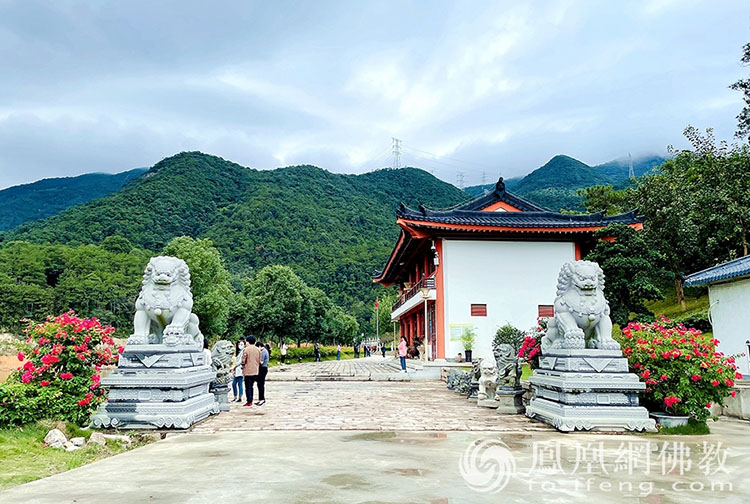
(369, 405)
(403, 442)
(407, 467)
(368, 368)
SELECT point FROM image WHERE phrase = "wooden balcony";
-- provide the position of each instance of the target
(428, 282)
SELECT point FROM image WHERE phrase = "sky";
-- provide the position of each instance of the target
(481, 88)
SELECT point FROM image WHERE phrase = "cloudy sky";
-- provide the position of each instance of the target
(496, 87)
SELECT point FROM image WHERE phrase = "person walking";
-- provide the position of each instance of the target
(250, 367)
(237, 369)
(382, 349)
(356, 350)
(338, 352)
(207, 352)
(402, 352)
(262, 373)
(283, 352)
(316, 349)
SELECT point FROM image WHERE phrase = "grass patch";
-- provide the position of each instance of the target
(24, 457)
(526, 372)
(693, 428)
(670, 308)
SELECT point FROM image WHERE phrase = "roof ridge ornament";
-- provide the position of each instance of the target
(500, 185)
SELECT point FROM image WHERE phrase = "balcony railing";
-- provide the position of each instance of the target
(428, 282)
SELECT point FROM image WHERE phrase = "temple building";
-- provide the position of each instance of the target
(480, 265)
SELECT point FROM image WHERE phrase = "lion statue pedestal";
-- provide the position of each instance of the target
(583, 382)
(162, 378)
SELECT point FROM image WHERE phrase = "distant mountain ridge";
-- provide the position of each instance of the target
(48, 197)
(555, 184)
(334, 230)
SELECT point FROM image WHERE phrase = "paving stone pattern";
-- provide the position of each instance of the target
(369, 368)
(364, 405)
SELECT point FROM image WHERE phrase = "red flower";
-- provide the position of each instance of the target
(44, 383)
(734, 393)
(738, 375)
(21, 356)
(66, 376)
(645, 374)
(663, 377)
(671, 401)
(695, 377)
(729, 382)
(49, 359)
(28, 365)
(715, 383)
(708, 405)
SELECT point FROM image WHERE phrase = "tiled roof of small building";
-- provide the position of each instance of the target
(514, 219)
(736, 268)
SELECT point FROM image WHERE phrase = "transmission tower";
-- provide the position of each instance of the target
(631, 172)
(396, 153)
(484, 182)
(460, 180)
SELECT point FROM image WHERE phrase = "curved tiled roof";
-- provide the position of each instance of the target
(736, 268)
(513, 219)
(500, 194)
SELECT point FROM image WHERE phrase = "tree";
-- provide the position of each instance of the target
(274, 303)
(671, 227)
(209, 279)
(603, 198)
(743, 86)
(631, 270)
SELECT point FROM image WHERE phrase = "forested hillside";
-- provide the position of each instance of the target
(333, 230)
(48, 197)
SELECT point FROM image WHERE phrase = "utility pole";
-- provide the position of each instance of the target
(396, 153)
(460, 180)
(484, 182)
(377, 319)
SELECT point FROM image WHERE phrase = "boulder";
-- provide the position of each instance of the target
(97, 438)
(55, 439)
(71, 447)
(78, 441)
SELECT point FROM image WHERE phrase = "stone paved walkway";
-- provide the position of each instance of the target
(364, 405)
(368, 368)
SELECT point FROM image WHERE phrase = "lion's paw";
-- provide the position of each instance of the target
(610, 345)
(135, 339)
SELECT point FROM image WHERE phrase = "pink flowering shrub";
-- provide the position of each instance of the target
(683, 372)
(59, 378)
(531, 348)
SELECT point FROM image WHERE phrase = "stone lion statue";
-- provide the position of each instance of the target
(488, 380)
(221, 361)
(581, 312)
(163, 310)
(508, 366)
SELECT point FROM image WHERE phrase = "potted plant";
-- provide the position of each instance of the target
(683, 372)
(467, 339)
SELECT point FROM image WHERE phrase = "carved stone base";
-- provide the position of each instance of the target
(510, 402)
(158, 386)
(487, 403)
(597, 418)
(146, 415)
(220, 392)
(587, 390)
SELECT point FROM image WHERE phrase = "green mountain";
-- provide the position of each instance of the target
(51, 196)
(334, 230)
(555, 184)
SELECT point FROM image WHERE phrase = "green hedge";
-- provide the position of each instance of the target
(293, 353)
